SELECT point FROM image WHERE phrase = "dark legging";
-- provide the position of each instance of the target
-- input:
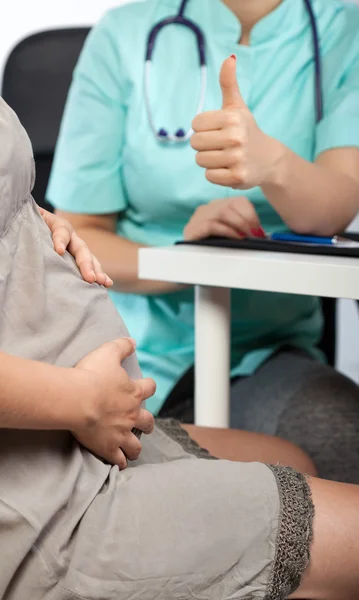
(301, 400)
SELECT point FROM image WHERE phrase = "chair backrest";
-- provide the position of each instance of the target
(36, 81)
(328, 342)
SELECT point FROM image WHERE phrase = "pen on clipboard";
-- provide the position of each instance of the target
(315, 240)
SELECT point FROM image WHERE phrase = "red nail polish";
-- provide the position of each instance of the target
(233, 56)
(258, 233)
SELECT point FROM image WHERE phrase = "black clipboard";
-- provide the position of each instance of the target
(267, 245)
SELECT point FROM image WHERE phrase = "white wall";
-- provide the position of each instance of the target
(23, 17)
(348, 326)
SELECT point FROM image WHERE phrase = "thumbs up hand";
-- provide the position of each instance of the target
(230, 145)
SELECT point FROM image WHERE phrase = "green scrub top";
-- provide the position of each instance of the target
(108, 160)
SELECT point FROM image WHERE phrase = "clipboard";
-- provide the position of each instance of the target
(268, 245)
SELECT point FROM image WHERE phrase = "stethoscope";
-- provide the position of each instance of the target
(181, 135)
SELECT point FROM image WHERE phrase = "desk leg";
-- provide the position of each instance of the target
(212, 322)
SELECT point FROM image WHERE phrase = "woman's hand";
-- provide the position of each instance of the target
(113, 404)
(230, 146)
(65, 238)
(230, 217)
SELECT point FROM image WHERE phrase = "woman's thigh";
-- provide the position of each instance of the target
(307, 403)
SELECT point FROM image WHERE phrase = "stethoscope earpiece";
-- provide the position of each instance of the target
(179, 136)
(162, 133)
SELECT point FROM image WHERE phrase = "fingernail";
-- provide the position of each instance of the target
(258, 233)
(233, 56)
(94, 274)
(62, 247)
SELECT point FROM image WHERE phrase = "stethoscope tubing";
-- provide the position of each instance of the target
(182, 136)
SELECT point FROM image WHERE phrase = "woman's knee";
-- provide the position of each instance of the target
(290, 455)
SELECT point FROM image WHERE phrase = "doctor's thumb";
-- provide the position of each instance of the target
(228, 80)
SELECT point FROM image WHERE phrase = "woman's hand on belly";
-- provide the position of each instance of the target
(118, 255)
(64, 238)
(112, 408)
(229, 217)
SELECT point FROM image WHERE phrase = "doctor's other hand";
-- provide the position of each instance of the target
(111, 407)
(231, 147)
(230, 217)
(64, 238)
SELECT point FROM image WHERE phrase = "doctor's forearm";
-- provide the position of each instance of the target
(311, 198)
(119, 258)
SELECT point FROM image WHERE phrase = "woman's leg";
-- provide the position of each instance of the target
(244, 446)
(179, 527)
(310, 404)
(333, 573)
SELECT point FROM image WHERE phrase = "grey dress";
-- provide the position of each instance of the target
(174, 525)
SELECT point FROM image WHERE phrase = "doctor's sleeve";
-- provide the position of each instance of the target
(86, 174)
(340, 126)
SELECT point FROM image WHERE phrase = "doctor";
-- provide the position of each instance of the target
(125, 175)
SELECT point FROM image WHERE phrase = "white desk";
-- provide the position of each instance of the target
(214, 271)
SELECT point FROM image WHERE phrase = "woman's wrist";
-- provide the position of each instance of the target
(277, 165)
(36, 395)
(79, 393)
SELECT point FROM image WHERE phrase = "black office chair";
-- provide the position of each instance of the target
(36, 80)
(328, 341)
